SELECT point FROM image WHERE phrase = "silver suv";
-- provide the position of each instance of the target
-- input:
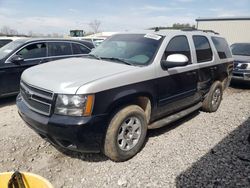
(132, 82)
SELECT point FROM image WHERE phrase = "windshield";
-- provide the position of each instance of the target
(137, 49)
(8, 48)
(241, 49)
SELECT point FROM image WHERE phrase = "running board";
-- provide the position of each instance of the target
(169, 119)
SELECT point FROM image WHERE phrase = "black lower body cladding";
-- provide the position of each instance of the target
(83, 134)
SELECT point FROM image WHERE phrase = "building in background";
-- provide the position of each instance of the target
(235, 30)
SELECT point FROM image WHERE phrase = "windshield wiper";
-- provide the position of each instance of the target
(117, 59)
(95, 56)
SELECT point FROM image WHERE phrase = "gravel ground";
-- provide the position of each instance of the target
(202, 150)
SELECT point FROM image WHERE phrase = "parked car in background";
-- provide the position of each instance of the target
(98, 38)
(130, 83)
(241, 55)
(6, 40)
(95, 41)
(21, 54)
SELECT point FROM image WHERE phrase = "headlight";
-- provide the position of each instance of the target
(248, 66)
(74, 105)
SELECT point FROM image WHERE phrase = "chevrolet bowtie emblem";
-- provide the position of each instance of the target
(28, 94)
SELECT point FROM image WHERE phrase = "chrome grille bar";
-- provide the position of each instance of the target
(37, 99)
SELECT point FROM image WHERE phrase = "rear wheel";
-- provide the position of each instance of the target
(126, 133)
(213, 99)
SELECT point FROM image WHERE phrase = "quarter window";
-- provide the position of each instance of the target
(59, 48)
(221, 47)
(79, 49)
(31, 51)
(203, 49)
(178, 45)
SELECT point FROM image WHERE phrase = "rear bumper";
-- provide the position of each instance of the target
(84, 134)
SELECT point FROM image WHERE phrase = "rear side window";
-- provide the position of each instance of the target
(203, 49)
(222, 47)
(178, 45)
(31, 51)
(59, 48)
(79, 49)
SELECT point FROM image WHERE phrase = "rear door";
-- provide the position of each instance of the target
(205, 58)
(177, 86)
(59, 50)
(33, 54)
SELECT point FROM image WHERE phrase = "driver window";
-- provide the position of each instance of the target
(178, 45)
(31, 51)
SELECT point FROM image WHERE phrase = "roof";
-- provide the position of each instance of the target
(52, 39)
(222, 19)
(172, 32)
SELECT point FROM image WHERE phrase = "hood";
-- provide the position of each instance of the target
(241, 58)
(67, 75)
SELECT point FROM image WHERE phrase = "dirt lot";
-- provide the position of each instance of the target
(202, 150)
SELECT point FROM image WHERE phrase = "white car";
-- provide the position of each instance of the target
(5, 40)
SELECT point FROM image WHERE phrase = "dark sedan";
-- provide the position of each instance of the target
(21, 54)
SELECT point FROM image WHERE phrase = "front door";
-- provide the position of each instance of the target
(32, 54)
(177, 86)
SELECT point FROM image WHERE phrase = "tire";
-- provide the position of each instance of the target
(214, 97)
(125, 134)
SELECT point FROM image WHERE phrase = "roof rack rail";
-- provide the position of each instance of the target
(194, 29)
(210, 31)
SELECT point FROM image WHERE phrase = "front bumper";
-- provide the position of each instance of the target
(241, 75)
(84, 134)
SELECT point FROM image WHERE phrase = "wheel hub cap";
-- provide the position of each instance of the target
(129, 133)
(216, 97)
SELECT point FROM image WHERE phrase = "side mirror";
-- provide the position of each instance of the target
(174, 60)
(16, 59)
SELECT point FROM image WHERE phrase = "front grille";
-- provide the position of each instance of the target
(240, 65)
(37, 99)
(238, 74)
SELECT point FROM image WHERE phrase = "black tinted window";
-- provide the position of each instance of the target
(203, 49)
(36, 50)
(4, 41)
(178, 45)
(59, 48)
(79, 49)
(221, 47)
(241, 49)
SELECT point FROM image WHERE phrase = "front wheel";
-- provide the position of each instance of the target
(126, 133)
(214, 97)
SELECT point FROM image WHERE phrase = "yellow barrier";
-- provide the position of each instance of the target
(30, 180)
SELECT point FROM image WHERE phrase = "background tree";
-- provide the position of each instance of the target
(95, 25)
(5, 30)
(175, 26)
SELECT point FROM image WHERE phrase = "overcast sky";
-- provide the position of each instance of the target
(49, 16)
